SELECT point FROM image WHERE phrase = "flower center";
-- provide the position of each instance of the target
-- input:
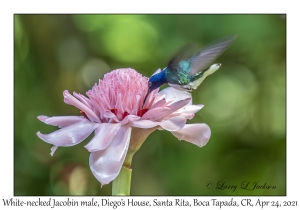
(141, 112)
(121, 92)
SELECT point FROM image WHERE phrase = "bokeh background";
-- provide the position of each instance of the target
(244, 101)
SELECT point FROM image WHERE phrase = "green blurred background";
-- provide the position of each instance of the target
(244, 101)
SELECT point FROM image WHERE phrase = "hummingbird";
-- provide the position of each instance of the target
(187, 70)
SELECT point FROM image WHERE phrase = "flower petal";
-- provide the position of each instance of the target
(172, 108)
(61, 121)
(104, 134)
(197, 134)
(187, 116)
(191, 108)
(53, 149)
(83, 99)
(144, 124)
(154, 113)
(187, 111)
(159, 103)
(173, 124)
(129, 118)
(108, 114)
(151, 98)
(172, 93)
(106, 164)
(69, 99)
(70, 135)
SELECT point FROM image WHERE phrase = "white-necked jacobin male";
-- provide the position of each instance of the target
(187, 70)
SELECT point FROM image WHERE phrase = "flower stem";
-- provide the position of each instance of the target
(121, 185)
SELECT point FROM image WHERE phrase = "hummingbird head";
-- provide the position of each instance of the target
(156, 81)
(153, 83)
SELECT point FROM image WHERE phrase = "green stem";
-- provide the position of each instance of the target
(121, 185)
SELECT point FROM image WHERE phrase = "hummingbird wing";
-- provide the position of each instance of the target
(181, 62)
(203, 58)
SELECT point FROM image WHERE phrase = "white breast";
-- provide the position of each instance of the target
(211, 70)
(193, 85)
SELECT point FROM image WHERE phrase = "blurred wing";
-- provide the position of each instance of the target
(208, 54)
(184, 55)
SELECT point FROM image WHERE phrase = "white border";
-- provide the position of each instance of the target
(8, 8)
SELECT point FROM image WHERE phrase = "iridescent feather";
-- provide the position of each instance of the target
(187, 70)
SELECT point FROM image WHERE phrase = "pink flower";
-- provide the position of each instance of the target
(113, 109)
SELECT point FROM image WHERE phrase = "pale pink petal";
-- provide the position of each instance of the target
(173, 107)
(104, 134)
(187, 111)
(106, 164)
(53, 149)
(129, 118)
(191, 108)
(83, 99)
(173, 124)
(159, 97)
(151, 98)
(69, 99)
(108, 114)
(159, 103)
(70, 135)
(86, 101)
(197, 134)
(154, 113)
(172, 93)
(187, 116)
(61, 121)
(144, 124)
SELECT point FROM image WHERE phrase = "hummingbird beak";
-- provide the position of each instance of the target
(149, 91)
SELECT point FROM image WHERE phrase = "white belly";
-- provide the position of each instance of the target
(193, 85)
